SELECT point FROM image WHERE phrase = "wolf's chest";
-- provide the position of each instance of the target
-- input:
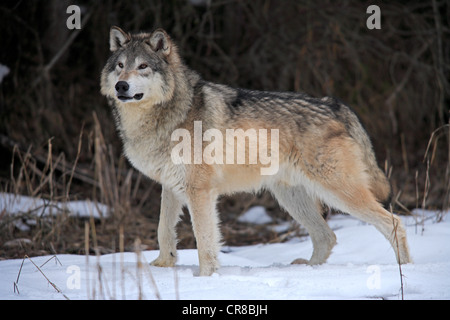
(154, 161)
(147, 148)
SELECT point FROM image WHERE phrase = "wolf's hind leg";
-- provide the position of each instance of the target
(360, 203)
(171, 209)
(307, 211)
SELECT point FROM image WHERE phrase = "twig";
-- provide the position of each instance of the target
(75, 163)
(395, 225)
(86, 249)
(97, 253)
(146, 264)
(56, 261)
(16, 283)
(18, 275)
(137, 245)
(122, 268)
(59, 165)
(432, 139)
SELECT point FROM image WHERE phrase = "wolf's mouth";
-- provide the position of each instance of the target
(137, 97)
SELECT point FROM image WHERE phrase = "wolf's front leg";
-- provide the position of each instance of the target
(171, 209)
(202, 207)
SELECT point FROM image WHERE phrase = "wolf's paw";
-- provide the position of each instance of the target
(163, 262)
(300, 261)
(208, 270)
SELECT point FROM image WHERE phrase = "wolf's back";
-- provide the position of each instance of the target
(307, 110)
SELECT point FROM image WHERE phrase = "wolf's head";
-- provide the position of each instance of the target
(141, 67)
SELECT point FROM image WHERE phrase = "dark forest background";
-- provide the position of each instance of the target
(57, 135)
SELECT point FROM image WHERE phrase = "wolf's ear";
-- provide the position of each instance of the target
(160, 42)
(118, 38)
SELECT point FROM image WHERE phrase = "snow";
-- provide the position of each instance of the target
(255, 215)
(361, 266)
(16, 205)
(4, 71)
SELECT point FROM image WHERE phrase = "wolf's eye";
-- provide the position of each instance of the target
(120, 64)
(143, 66)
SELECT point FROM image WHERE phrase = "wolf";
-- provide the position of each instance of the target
(325, 155)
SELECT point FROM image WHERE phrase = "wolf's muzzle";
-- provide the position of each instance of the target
(122, 88)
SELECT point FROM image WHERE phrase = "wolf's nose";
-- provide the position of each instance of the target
(122, 87)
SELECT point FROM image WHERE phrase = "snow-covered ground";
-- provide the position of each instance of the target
(18, 204)
(362, 266)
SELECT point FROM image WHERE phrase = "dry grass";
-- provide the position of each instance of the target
(55, 179)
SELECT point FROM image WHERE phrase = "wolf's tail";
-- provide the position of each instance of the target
(381, 187)
(379, 183)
